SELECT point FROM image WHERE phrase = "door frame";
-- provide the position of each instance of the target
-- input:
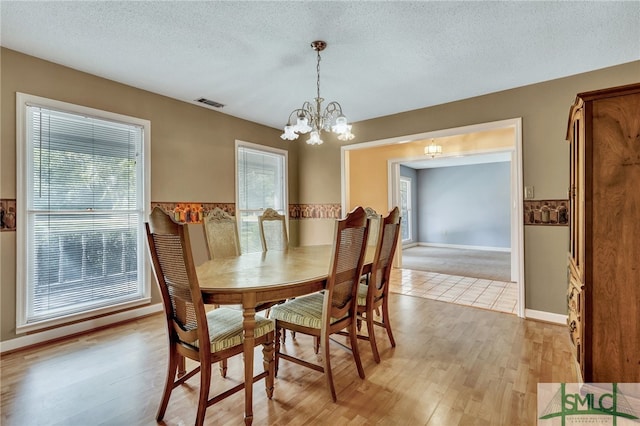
(516, 183)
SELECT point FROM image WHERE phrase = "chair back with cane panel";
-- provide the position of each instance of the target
(389, 230)
(273, 230)
(375, 294)
(346, 263)
(221, 232)
(169, 245)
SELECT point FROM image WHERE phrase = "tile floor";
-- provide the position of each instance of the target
(495, 295)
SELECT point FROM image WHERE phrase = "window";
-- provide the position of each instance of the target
(261, 183)
(405, 208)
(83, 190)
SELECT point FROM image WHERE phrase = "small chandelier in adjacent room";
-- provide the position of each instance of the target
(312, 118)
(433, 149)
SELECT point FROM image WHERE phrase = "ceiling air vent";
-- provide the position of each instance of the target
(210, 103)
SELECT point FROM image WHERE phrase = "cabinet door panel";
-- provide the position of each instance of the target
(615, 236)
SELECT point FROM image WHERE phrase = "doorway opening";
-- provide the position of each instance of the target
(462, 145)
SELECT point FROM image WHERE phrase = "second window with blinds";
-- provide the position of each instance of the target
(261, 182)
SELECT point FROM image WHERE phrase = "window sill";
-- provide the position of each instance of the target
(84, 316)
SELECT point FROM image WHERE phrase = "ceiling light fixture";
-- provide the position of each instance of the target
(312, 118)
(433, 149)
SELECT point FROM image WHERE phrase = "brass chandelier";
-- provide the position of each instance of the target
(312, 118)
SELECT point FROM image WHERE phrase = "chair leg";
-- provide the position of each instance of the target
(182, 368)
(172, 367)
(353, 336)
(326, 364)
(277, 350)
(385, 321)
(205, 383)
(284, 336)
(269, 364)
(316, 344)
(372, 337)
(223, 368)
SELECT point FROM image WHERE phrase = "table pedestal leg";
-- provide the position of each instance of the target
(248, 324)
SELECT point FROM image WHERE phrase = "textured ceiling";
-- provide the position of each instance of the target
(382, 57)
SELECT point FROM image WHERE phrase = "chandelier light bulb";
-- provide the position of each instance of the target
(340, 126)
(302, 125)
(289, 134)
(346, 135)
(314, 138)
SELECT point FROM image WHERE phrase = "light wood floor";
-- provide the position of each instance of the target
(453, 365)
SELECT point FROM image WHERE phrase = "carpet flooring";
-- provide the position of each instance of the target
(489, 265)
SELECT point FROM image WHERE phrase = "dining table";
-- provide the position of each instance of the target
(259, 280)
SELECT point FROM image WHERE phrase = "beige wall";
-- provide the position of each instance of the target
(192, 148)
(544, 110)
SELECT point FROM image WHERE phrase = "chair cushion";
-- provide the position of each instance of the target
(362, 294)
(305, 311)
(225, 328)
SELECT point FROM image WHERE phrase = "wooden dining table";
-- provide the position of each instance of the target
(257, 281)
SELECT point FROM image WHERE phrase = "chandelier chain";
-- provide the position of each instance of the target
(318, 74)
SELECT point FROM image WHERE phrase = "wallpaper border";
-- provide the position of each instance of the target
(546, 212)
(7, 214)
(536, 212)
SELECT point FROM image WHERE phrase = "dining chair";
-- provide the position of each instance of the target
(273, 230)
(188, 325)
(325, 313)
(373, 296)
(273, 236)
(221, 233)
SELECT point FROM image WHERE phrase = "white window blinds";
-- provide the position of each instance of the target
(84, 213)
(261, 183)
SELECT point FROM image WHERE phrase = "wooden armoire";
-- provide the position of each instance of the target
(604, 254)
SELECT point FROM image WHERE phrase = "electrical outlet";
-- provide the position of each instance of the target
(528, 192)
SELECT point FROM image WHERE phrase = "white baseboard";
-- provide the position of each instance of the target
(81, 327)
(409, 245)
(461, 246)
(545, 316)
